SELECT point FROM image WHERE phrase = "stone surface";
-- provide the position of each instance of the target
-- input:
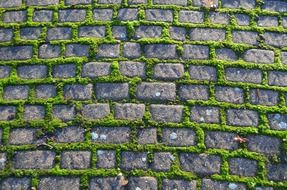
(17, 92)
(15, 53)
(242, 167)
(5, 71)
(69, 134)
(229, 94)
(264, 97)
(72, 15)
(259, 56)
(166, 113)
(95, 111)
(246, 4)
(177, 33)
(207, 34)
(263, 144)
(243, 75)
(132, 50)
(191, 16)
(59, 33)
(275, 39)
(111, 135)
(78, 92)
(75, 159)
(195, 52)
(219, 18)
(76, 50)
(120, 32)
(240, 117)
(220, 140)
(160, 51)
(103, 14)
(168, 71)
(64, 71)
(45, 91)
(42, 15)
(96, 69)
(63, 112)
(193, 92)
(30, 33)
(204, 114)
(6, 34)
(112, 91)
(162, 161)
(226, 54)
(7, 113)
(242, 19)
(144, 31)
(47, 51)
(170, 184)
(92, 31)
(245, 37)
(129, 111)
(133, 160)
(128, 14)
(267, 21)
(32, 71)
(277, 172)
(106, 159)
(108, 51)
(277, 78)
(105, 183)
(199, 72)
(49, 183)
(208, 184)
(178, 137)
(21, 136)
(277, 121)
(149, 183)
(147, 136)
(12, 183)
(15, 16)
(159, 15)
(33, 112)
(39, 159)
(10, 3)
(132, 69)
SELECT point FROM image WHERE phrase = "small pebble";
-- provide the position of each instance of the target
(94, 135)
(282, 125)
(173, 136)
(232, 186)
(209, 112)
(103, 137)
(157, 94)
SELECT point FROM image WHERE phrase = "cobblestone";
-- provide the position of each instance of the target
(13, 182)
(30, 33)
(264, 144)
(264, 97)
(15, 16)
(95, 111)
(193, 92)
(32, 71)
(106, 159)
(17, 92)
(195, 52)
(78, 91)
(170, 184)
(246, 37)
(191, 16)
(5, 71)
(92, 31)
(159, 15)
(162, 161)
(33, 112)
(112, 91)
(72, 15)
(178, 137)
(40, 159)
(129, 111)
(203, 114)
(240, 117)
(59, 33)
(75, 159)
(132, 50)
(147, 136)
(242, 167)
(243, 75)
(69, 134)
(161, 51)
(199, 72)
(220, 140)
(166, 113)
(21, 136)
(229, 94)
(96, 69)
(148, 32)
(207, 34)
(42, 15)
(133, 160)
(72, 183)
(259, 56)
(114, 135)
(15, 53)
(47, 51)
(132, 69)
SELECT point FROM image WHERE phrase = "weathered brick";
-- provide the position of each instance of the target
(267, 21)
(43, 15)
(63, 112)
(195, 51)
(278, 6)
(168, 71)
(77, 50)
(147, 136)
(15, 53)
(64, 71)
(149, 183)
(242, 167)
(145, 31)
(169, 2)
(16, 92)
(6, 34)
(204, 3)
(207, 34)
(204, 114)
(12, 183)
(101, 183)
(128, 14)
(160, 51)
(243, 75)
(177, 33)
(77, 2)
(106, 159)
(263, 144)
(32, 71)
(199, 72)
(264, 97)
(229, 94)
(3, 161)
(242, 19)
(159, 15)
(162, 161)
(96, 69)
(110, 1)
(59, 33)
(277, 78)
(120, 32)
(33, 112)
(30, 33)
(72, 15)
(5, 71)
(129, 111)
(178, 137)
(103, 14)
(171, 184)
(47, 51)
(246, 37)
(241, 117)
(95, 111)
(277, 172)
(15, 16)
(166, 113)
(49, 183)
(202, 164)
(246, 4)
(132, 69)
(156, 91)
(10, 3)
(78, 92)
(219, 18)
(111, 135)
(20, 136)
(112, 91)
(45, 91)
(75, 159)
(275, 39)
(69, 134)
(277, 121)
(108, 51)
(220, 140)
(191, 16)
(133, 160)
(132, 50)
(208, 184)
(259, 56)
(7, 112)
(39, 159)
(226, 54)
(193, 92)
(41, 2)
(92, 31)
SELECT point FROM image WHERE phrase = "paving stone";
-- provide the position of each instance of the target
(39, 159)
(120, 32)
(243, 75)
(246, 4)
(108, 51)
(229, 94)
(284, 22)
(200, 72)
(15, 53)
(60, 183)
(156, 91)
(64, 71)
(177, 33)
(242, 167)
(133, 160)
(78, 2)
(284, 58)
(12, 183)
(129, 111)
(69, 134)
(277, 78)
(242, 117)
(145, 31)
(246, 37)
(132, 50)
(59, 33)
(207, 34)
(178, 137)
(63, 112)
(264, 97)
(166, 113)
(42, 15)
(277, 121)
(132, 69)
(226, 54)
(204, 114)
(160, 51)
(30, 33)
(105, 183)
(106, 159)
(188, 16)
(5, 71)
(147, 136)
(135, 2)
(242, 19)
(259, 56)
(3, 161)
(45, 91)
(96, 69)
(278, 6)
(14, 16)
(111, 135)
(275, 39)
(277, 172)
(201, 164)
(208, 184)
(16, 92)
(171, 184)
(95, 111)
(263, 144)
(162, 161)
(268, 21)
(41, 2)
(76, 50)
(264, 188)
(220, 140)
(7, 113)
(103, 14)
(159, 15)
(195, 52)
(72, 15)
(47, 51)
(92, 31)
(110, 1)
(112, 91)
(127, 14)
(168, 71)
(10, 3)
(75, 159)
(219, 18)
(21, 136)
(193, 92)
(148, 183)
(32, 71)
(33, 112)
(6, 34)
(78, 92)
(169, 2)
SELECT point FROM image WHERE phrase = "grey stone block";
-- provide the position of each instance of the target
(187, 16)
(4, 161)
(264, 97)
(127, 14)
(166, 113)
(229, 94)
(226, 54)
(77, 50)
(199, 72)
(177, 33)
(278, 6)
(10, 3)
(132, 69)
(16, 53)
(246, 4)
(129, 111)
(243, 75)
(195, 51)
(277, 78)
(112, 91)
(9, 183)
(160, 51)
(259, 56)
(69, 134)
(193, 92)
(268, 21)
(145, 31)
(63, 112)
(110, 1)
(21, 136)
(220, 140)
(162, 161)
(263, 144)
(59, 33)
(111, 135)
(43, 15)
(207, 34)
(204, 3)
(51, 182)
(95, 111)
(103, 183)
(135, 2)
(168, 71)
(41, 2)
(75, 159)
(78, 2)
(16, 92)
(147, 136)
(47, 51)
(72, 15)
(219, 18)
(33, 112)
(171, 184)
(246, 37)
(178, 137)
(159, 15)
(106, 159)
(30, 33)
(149, 183)
(277, 121)
(204, 114)
(78, 92)
(14, 16)
(96, 69)
(64, 71)
(38, 159)
(284, 58)
(7, 112)
(103, 14)
(132, 50)
(242, 167)
(275, 39)
(32, 71)
(277, 172)
(92, 31)
(133, 160)
(170, 2)
(108, 51)
(120, 32)
(5, 71)
(242, 19)
(242, 117)
(6, 34)
(45, 91)
(208, 184)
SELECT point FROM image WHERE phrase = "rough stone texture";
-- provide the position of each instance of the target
(195, 52)
(149, 183)
(21, 136)
(242, 167)
(245, 37)
(61, 183)
(159, 15)
(226, 54)
(105, 183)
(15, 16)
(45, 91)
(191, 16)
(267, 21)
(108, 51)
(39, 159)
(95, 111)
(106, 159)
(109, 1)
(264, 97)
(13, 183)
(275, 39)
(75, 159)
(72, 15)
(5, 71)
(30, 33)
(284, 58)
(64, 71)
(277, 78)
(241, 117)
(193, 92)
(171, 184)
(229, 94)
(208, 184)
(112, 135)
(219, 18)
(242, 19)
(203, 114)
(63, 112)
(160, 51)
(47, 51)
(33, 112)
(6, 34)
(147, 136)
(3, 161)
(243, 75)
(263, 144)
(273, 5)
(76, 50)
(220, 140)
(129, 111)
(199, 72)
(178, 137)
(120, 32)
(92, 31)
(168, 2)
(69, 134)
(162, 161)
(32, 71)
(112, 91)
(166, 113)
(277, 121)
(42, 15)
(203, 3)
(103, 14)
(132, 69)
(177, 33)
(259, 56)
(169, 71)
(77, 2)
(59, 33)
(15, 53)
(246, 4)
(78, 92)
(277, 172)
(128, 14)
(132, 50)
(10, 3)
(17, 92)
(96, 69)
(207, 34)
(133, 160)
(144, 31)
(7, 113)
(42, 2)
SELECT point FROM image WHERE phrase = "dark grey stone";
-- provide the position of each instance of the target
(43, 15)
(133, 160)
(264, 97)
(75, 159)
(3, 161)
(146, 183)
(275, 39)
(263, 144)
(273, 5)
(177, 33)
(162, 161)
(277, 121)
(208, 184)
(188, 16)
(129, 111)
(220, 140)
(103, 14)
(242, 19)
(95, 111)
(6, 34)
(16, 92)
(78, 92)
(39, 159)
(120, 32)
(10, 3)
(72, 15)
(166, 113)
(16, 53)
(13, 183)
(145, 31)
(259, 56)
(132, 50)
(204, 114)
(132, 69)
(64, 71)
(45, 91)
(246, 4)
(161, 51)
(135, 2)
(77, 50)
(207, 34)
(219, 18)
(242, 117)
(277, 172)
(170, 2)
(246, 37)
(163, 15)
(78, 2)
(199, 72)
(243, 75)
(15, 16)
(21, 136)
(32, 71)
(108, 51)
(112, 91)
(92, 31)
(5, 71)
(111, 135)
(59, 183)
(268, 21)
(127, 14)
(178, 137)
(96, 69)
(33, 112)
(69, 134)
(7, 112)
(168, 71)
(284, 58)
(41, 2)
(193, 92)
(109, 1)
(226, 54)
(171, 184)
(30, 33)
(106, 159)
(47, 51)
(147, 136)
(195, 51)
(204, 3)
(242, 167)
(105, 183)
(63, 112)
(277, 78)
(59, 33)
(229, 94)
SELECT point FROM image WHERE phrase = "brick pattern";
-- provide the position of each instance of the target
(165, 94)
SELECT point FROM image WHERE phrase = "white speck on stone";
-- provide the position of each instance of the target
(258, 188)
(2, 161)
(103, 137)
(100, 152)
(277, 116)
(201, 119)
(157, 94)
(173, 136)
(232, 186)
(237, 89)
(94, 135)
(172, 157)
(238, 72)
(137, 188)
(282, 125)
(143, 159)
(209, 112)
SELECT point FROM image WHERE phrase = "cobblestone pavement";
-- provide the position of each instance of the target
(143, 94)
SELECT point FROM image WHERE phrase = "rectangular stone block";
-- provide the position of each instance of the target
(112, 91)
(39, 159)
(111, 135)
(160, 51)
(166, 113)
(16, 53)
